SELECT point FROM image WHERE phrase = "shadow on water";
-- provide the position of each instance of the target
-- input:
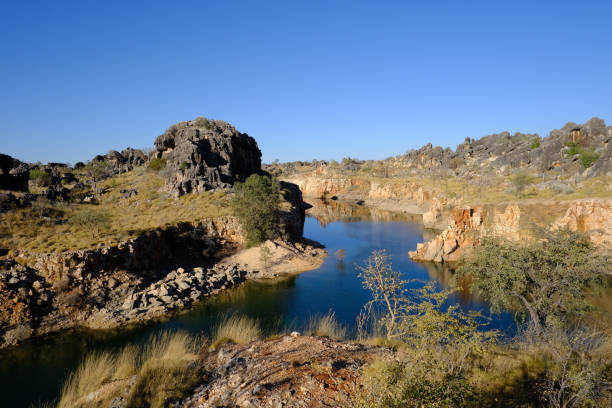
(36, 370)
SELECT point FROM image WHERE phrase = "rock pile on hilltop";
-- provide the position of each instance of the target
(574, 149)
(202, 154)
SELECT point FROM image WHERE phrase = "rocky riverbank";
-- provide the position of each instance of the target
(516, 221)
(34, 304)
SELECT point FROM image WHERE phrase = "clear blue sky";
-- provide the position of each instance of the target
(306, 78)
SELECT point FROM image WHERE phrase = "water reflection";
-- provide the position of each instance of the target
(328, 211)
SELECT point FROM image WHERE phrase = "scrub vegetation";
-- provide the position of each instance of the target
(450, 359)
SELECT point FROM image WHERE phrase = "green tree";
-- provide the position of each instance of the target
(256, 203)
(92, 219)
(520, 180)
(543, 280)
(265, 255)
(388, 291)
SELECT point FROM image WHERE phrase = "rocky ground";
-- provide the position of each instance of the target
(290, 371)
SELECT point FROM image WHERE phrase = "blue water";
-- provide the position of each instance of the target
(35, 371)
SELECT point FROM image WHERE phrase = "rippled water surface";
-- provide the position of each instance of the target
(35, 371)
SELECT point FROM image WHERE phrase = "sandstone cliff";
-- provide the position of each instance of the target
(592, 217)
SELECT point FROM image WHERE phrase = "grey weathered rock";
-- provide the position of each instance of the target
(14, 175)
(202, 155)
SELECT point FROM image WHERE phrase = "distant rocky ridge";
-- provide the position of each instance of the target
(203, 155)
(503, 153)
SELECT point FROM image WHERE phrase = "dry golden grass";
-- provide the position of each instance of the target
(151, 208)
(326, 326)
(161, 368)
(236, 329)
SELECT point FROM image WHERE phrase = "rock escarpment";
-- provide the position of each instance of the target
(202, 155)
(592, 217)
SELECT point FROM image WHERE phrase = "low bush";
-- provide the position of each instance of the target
(205, 123)
(587, 156)
(157, 164)
(40, 177)
(92, 219)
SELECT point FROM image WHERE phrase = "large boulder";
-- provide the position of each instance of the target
(203, 155)
(14, 175)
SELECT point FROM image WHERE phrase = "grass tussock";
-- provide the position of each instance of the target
(236, 329)
(150, 376)
(326, 326)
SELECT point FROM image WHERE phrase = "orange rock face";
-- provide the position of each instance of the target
(593, 217)
(462, 234)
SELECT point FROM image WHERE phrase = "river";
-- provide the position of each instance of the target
(34, 372)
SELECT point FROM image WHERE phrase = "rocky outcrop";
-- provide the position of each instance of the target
(507, 223)
(14, 175)
(461, 235)
(593, 217)
(113, 163)
(292, 217)
(202, 155)
(124, 161)
(32, 306)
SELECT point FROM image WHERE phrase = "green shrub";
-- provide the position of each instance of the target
(41, 177)
(256, 203)
(536, 143)
(157, 164)
(205, 123)
(92, 219)
(184, 165)
(587, 156)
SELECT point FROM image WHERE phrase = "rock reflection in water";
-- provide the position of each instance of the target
(333, 210)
